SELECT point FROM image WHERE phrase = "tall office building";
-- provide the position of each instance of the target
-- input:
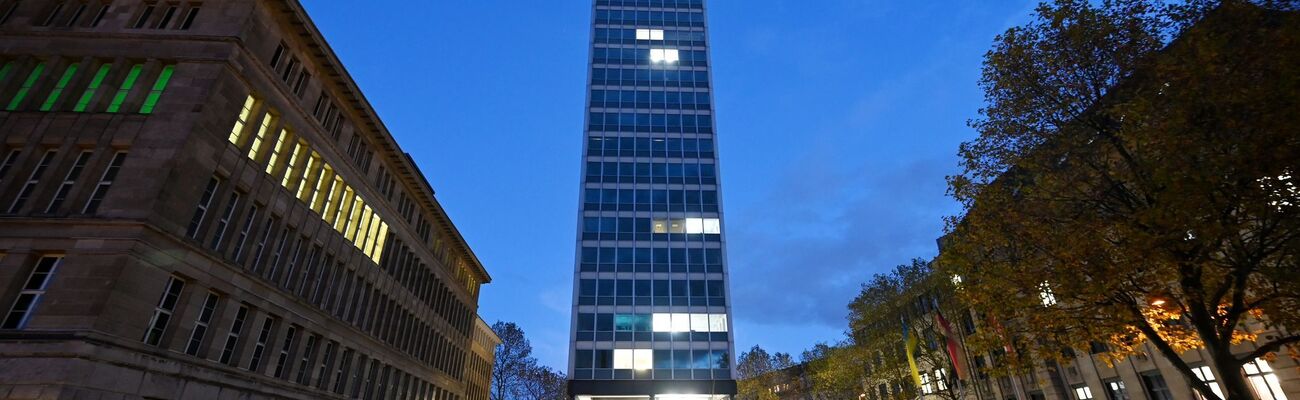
(650, 305)
(197, 202)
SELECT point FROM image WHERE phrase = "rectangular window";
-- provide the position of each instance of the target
(201, 210)
(37, 282)
(340, 374)
(162, 314)
(68, 180)
(8, 163)
(237, 132)
(201, 323)
(1156, 387)
(54, 13)
(190, 15)
(223, 221)
(277, 56)
(167, 16)
(301, 83)
(228, 350)
(105, 182)
(282, 361)
(304, 364)
(59, 87)
(1263, 380)
(92, 88)
(238, 253)
(1207, 376)
(125, 89)
(26, 87)
(1082, 392)
(326, 360)
(259, 347)
(76, 14)
(1115, 390)
(99, 16)
(155, 92)
(32, 180)
(144, 18)
(254, 152)
(292, 170)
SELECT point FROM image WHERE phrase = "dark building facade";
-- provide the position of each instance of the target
(197, 202)
(651, 306)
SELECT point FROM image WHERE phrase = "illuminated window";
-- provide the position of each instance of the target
(1083, 393)
(155, 92)
(708, 226)
(662, 322)
(681, 323)
(323, 192)
(305, 174)
(717, 322)
(638, 359)
(1045, 294)
(649, 34)
(665, 322)
(383, 235)
(92, 88)
(1263, 380)
(59, 87)
(26, 87)
(668, 56)
(125, 89)
(237, 132)
(254, 152)
(1206, 375)
(293, 169)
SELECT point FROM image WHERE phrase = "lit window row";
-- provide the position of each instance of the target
(305, 174)
(707, 226)
(677, 322)
(87, 97)
(649, 34)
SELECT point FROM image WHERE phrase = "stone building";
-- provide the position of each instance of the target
(198, 202)
(478, 381)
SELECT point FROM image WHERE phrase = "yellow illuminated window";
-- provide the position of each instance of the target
(272, 162)
(254, 153)
(335, 202)
(324, 190)
(372, 230)
(305, 177)
(237, 133)
(345, 210)
(349, 230)
(293, 169)
(362, 225)
(383, 235)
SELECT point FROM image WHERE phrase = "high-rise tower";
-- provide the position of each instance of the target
(651, 315)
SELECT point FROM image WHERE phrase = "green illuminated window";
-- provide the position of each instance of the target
(125, 89)
(58, 88)
(27, 86)
(157, 90)
(92, 88)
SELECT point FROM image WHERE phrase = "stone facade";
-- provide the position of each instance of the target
(197, 202)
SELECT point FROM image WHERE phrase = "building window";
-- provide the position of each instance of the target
(190, 16)
(254, 152)
(59, 87)
(243, 234)
(26, 87)
(1156, 387)
(1263, 380)
(54, 13)
(37, 282)
(237, 132)
(304, 365)
(76, 14)
(1045, 295)
(223, 220)
(649, 34)
(8, 163)
(201, 210)
(125, 88)
(200, 332)
(340, 374)
(155, 92)
(93, 87)
(301, 83)
(326, 360)
(99, 16)
(32, 180)
(278, 55)
(259, 347)
(229, 349)
(1204, 374)
(143, 18)
(162, 314)
(636, 359)
(167, 16)
(666, 56)
(664, 322)
(105, 182)
(1082, 392)
(70, 179)
(695, 226)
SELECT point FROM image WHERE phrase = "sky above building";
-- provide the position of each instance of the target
(837, 123)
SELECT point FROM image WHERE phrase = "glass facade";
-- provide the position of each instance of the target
(651, 309)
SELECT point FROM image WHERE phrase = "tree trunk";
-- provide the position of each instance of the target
(1232, 378)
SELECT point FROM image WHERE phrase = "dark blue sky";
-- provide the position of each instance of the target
(838, 120)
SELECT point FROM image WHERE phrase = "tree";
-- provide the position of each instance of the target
(755, 369)
(543, 383)
(1133, 182)
(514, 362)
(835, 371)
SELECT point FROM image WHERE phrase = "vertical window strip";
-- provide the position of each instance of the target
(295, 161)
(99, 16)
(202, 209)
(125, 89)
(243, 234)
(342, 209)
(32, 180)
(105, 182)
(383, 235)
(254, 152)
(363, 223)
(259, 347)
(277, 150)
(201, 323)
(26, 87)
(325, 197)
(190, 16)
(223, 221)
(37, 283)
(282, 360)
(49, 19)
(144, 17)
(89, 93)
(68, 181)
(162, 314)
(232, 337)
(8, 163)
(237, 132)
(327, 359)
(304, 364)
(340, 377)
(259, 251)
(349, 229)
(156, 91)
(59, 87)
(372, 228)
(305, 176)
(166, 18)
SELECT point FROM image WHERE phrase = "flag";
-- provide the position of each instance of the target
(954, 348)
(909, 343)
